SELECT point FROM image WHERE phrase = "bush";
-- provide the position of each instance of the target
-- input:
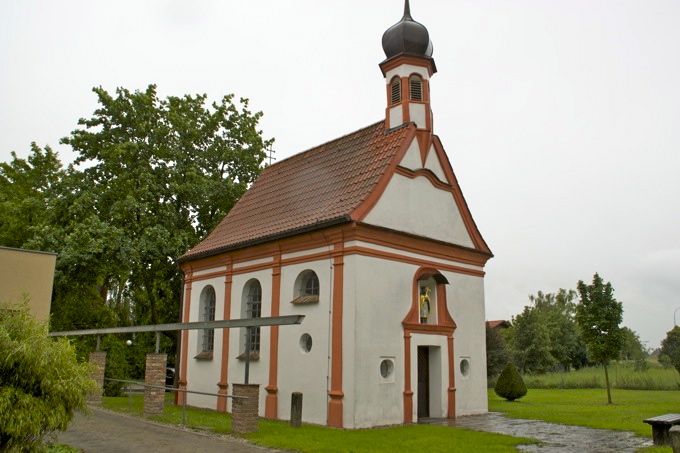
(41, 381)
(510, 384)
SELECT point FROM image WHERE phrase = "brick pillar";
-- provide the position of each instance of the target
(98, 362)
(244, 410)
(154, 398)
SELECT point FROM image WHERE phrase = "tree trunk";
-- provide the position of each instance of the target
(606, 379)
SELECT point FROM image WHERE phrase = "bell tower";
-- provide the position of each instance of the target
(407, 70)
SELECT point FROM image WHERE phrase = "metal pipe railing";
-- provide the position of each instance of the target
(172, 389)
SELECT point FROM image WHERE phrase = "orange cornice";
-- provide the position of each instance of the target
(427, 63)
(365, 251)
(364, 208)
(365, 233)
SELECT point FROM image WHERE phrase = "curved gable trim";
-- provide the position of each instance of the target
(374, 195)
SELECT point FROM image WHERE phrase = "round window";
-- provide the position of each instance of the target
(465, 367)
(306, 342)
(386, 368)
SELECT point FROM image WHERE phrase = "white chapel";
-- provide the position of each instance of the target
(370, 238)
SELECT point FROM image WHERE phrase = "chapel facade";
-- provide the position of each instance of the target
(370, 238)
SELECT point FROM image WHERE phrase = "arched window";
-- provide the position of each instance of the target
(253, 309)
(207, 313)
(306, 288)
(395, 90)
(415, 87)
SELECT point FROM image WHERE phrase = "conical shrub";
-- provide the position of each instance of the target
(510, 384)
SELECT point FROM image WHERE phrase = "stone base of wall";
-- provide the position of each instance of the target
(154, 398)
(98, 362)
(244, 411)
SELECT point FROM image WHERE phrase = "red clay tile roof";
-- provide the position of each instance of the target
(498, 323)
(311, 190)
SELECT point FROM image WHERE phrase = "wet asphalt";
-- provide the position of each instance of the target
(553, 437)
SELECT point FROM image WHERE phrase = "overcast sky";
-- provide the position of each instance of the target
(561, 118)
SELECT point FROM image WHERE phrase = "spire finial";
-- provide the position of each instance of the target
(407, 10)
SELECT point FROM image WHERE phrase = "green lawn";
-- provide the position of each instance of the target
(588, 407)
(311, 438)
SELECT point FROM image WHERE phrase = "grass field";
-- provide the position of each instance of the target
(622, 376)
(588, 407)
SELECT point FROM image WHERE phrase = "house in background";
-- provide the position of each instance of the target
(27, 275)
(368, 236)
(498, 324)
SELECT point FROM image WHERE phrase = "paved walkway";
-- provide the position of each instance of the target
(102, 431)
(554, 437)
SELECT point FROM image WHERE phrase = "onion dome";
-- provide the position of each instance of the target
(407, 37)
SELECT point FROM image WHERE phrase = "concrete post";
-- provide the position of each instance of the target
(154, 398)
(244, 411)
(296, 410)
(674, 433)
(98, 362)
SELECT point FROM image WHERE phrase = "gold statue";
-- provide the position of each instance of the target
(424, 304)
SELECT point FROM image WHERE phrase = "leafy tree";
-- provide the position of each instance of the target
(497, 355)
(670, 348)
(633, 349)
(557, 312)
(599, 316)
(530, 342)
(510, 384)
(26, 188)
(152, 177)
(545, 334)
(41, 382)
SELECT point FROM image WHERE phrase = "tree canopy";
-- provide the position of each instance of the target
(599, 316)
(151, 178)
(545, 334)
(670, 348)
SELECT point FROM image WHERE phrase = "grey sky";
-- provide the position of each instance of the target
(560, 118)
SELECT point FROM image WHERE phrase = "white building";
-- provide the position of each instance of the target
(361, 235)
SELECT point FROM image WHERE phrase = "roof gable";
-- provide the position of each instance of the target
(319, 187)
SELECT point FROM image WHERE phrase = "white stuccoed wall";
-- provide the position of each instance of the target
(300, 371)
(383, 295)
(415, 206)
(466, 305)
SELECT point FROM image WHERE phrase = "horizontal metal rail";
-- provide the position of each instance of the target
(173, 389)
(224, 324)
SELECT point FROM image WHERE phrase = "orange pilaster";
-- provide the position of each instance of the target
(271, 403)
(181, 396)
(408, 393)
(224, 370)
(335, 404)
(451, 391)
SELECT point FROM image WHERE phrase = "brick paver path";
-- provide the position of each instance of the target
(102, 431)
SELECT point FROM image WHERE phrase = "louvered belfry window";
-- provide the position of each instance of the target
(416, 88)
(395, 89)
